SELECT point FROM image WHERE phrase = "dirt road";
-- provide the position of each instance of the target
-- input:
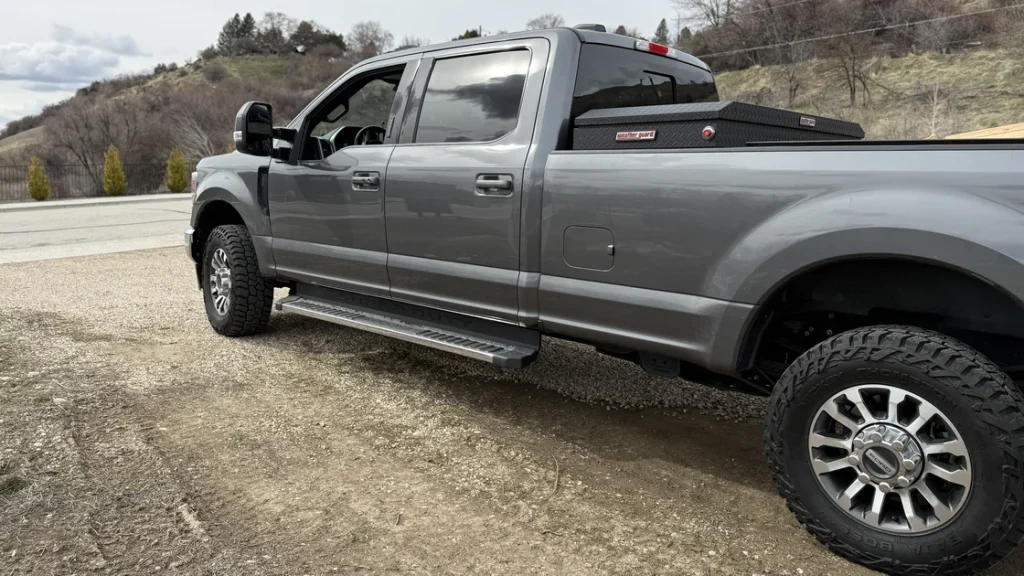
(133, 440)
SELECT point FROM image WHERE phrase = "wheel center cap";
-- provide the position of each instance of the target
(887, 455)
(881, 462)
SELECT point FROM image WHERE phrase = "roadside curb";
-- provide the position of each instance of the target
(92, 202)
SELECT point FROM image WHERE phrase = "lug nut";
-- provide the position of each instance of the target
(897, 446)
(864, 478)
(909, 464)
(854, 460)
(875, 437)
(903, 481)
(858, 442)
(885, 487)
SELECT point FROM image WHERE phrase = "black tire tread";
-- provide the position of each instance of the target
(996, 399)
(252, 293)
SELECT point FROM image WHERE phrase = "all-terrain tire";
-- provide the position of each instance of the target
(251, 294)
(987, 407)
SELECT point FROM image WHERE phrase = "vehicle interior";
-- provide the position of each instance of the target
(355, 116)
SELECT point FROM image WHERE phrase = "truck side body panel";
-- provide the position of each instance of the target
(701, 238)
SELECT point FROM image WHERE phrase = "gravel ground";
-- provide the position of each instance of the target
(135, 440)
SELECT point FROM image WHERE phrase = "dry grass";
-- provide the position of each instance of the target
(911, 97)
(22, 140)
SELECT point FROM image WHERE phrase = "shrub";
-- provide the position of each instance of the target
(38, 183)
(208, 53)
(215, 73)
(114, 182)
(177, 172)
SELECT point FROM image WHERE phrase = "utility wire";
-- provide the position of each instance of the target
(866, 31)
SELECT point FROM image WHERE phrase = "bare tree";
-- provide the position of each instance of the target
(635, 32)
(943, 119)
(546, 21)
(410, 41)
(193, 139)
(84, 129)
(368, 39)
(704, 12)
(851, 63)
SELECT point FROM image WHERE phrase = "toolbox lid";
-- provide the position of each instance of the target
(727, 110)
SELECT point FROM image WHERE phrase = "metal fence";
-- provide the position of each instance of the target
(78, 181)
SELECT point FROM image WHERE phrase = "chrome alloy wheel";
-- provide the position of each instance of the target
(220, 281)
(890, 459)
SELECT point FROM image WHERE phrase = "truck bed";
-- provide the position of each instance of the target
(700, 234)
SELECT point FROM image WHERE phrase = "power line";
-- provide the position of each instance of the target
(854, 33)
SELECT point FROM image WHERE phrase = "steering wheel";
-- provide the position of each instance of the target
(365, 135)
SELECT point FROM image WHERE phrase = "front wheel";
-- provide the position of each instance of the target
(238, 298)
(901, 449)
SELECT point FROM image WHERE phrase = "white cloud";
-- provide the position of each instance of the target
(21, 100)
(70, 57)
(123, 45)
(53, 63)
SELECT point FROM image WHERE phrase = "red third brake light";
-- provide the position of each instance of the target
(652, 47)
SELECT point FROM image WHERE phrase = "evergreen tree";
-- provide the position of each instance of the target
(621, 30)
(685, 40)
(661, 34)
(38, 183)
(177, 172)
(474, 33)
(229, 34)
(114, 182)
(247, 29)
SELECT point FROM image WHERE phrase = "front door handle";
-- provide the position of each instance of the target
(366, 181)
(494, 185)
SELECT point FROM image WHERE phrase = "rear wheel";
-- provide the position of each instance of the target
(902, 450)
(238, 298)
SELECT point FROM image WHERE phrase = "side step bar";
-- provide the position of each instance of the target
(502, 353)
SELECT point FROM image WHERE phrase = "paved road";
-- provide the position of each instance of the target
(85, 230)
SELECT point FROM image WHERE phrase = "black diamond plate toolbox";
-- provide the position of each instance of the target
(703, 125)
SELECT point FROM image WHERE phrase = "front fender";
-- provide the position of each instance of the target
(951, 228)
(236, 185)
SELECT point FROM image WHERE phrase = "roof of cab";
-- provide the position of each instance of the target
(586, 36)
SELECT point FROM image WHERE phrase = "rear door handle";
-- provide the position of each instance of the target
(366, 181)
(494, 185)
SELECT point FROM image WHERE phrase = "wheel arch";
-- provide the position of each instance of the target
(981, 303)
(211, 214)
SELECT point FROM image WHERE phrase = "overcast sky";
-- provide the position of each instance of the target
(49, 48)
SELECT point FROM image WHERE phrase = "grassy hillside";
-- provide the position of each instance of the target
(911, 97)
(22, 140)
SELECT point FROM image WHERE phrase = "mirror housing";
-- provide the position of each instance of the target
(254, 129)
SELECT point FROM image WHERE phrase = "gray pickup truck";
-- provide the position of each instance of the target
(875, 290)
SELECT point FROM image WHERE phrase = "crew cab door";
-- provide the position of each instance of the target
(455, 180)
(327, 202)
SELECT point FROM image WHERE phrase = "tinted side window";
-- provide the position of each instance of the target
(611, 77)
(473, 98)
